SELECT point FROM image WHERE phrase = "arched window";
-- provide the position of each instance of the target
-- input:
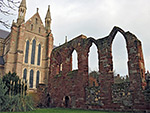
(27, 52)
(31, 27)
(37, 78)
(31, 79)
(33, 51)
(25, 74)
(39, 55)
(120, 56)
(36, 21)
(93, 59)
(48, 22)
(39, 30)
(74, 60)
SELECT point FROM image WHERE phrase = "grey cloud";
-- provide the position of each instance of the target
(96, 18)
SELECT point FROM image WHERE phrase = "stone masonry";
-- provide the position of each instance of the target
(70, 88)
(26, 39)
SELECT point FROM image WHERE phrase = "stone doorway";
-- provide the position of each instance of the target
(66, 101)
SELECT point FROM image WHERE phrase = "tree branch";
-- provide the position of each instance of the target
(6, 8)
(5, 23)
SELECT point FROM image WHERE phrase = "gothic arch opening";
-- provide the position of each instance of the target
(93, 58)
(66, 101)
(37, 78)
(31, 79)
(74, 60)
(93, 69)
(39, 55)
(59, 63)
(119, 57)
(25, 74)
(33, 51)
(26, 51)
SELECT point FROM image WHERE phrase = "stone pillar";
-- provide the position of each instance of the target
(49, 48)
(106, 71)
(136, 69)
(83, 66)
(10, 57)
(20, 50)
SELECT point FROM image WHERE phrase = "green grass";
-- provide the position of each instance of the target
(59, 110)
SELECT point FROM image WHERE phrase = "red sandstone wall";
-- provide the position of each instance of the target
(65, 83)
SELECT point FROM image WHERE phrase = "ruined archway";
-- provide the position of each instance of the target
(74, 60)
(93, 58)
(58, 63)
(120, 58)
(135, 55)
(66, 101)
(75, 85)
(93, 64)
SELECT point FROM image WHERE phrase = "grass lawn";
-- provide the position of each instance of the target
(59, 110)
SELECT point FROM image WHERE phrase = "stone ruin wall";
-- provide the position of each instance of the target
(72, 87)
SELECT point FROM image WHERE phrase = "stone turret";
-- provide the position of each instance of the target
(21, 12)
(48, 20)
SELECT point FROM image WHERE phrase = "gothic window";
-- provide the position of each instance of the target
(48, 22)
(36, 21)
(21, 12)
(33, 51)
(31, 79)
(74, 60)
(31, 27)
(37, 78)
(27, 52)
(39, 29)
(39, 55)
(25, 74)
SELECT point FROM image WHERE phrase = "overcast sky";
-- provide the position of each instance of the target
(96, 18)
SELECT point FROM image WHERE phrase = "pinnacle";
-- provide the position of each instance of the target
(48, 12)
(23, 3)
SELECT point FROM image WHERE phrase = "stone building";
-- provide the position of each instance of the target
(26, 49)
(74, 89)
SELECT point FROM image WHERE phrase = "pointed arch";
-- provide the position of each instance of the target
(59, 63)
(26, 51)
(93, 58)
(74, 60)
(36, 20)
(31, 27)
(25, 74)
(120, 55)
(31, 79)
(33, 51)
(37, 78)
(39, 55)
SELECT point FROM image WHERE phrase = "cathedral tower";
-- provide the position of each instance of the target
(22, 12)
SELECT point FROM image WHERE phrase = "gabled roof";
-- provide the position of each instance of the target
(34, 24)
(36, 14)
(4, 34)
(1, 60)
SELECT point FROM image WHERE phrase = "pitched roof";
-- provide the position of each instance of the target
(35, 15)
(3, 33)
(1, 60)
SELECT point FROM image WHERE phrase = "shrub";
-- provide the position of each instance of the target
(13, 94)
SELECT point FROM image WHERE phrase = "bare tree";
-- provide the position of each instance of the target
(7, 7)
